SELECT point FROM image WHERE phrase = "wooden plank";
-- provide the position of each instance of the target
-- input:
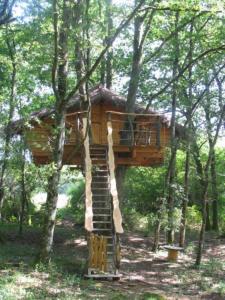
(88, 178)
(117, 217)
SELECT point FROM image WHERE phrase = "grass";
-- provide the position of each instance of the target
(62, 279)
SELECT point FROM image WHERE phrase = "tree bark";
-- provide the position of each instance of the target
(120, 176)
(185, 200)
(61, 49)
(174, 143)
(156, 236)
(8, 130)
(206, 183)
(140, 33)
(215, 223)
(6, 8)
(24, 200)
(188, 145)
(109, 55)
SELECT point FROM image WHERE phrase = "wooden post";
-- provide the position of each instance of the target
(88, 178)
(117, 218)
(158, 132)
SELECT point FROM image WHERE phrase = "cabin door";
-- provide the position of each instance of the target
(96, 133)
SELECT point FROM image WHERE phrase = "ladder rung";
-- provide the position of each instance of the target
(101, 208)
(108, 208)
(97, 195)
(102, 215)
(102, 229)
(102, 222)
(99, 159)
(100, 181)
(100, 201)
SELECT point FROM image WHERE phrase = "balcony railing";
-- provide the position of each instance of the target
(135, 129)
(127, 129)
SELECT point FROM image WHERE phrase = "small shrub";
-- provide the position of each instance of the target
(193, 217)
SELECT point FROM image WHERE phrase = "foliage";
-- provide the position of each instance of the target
(75, 209)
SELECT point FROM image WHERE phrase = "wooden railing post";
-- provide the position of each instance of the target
(88, 176)
(158, 133)
(117, 218)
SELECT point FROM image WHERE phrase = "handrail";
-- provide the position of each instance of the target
(77, 113)
(134, 114)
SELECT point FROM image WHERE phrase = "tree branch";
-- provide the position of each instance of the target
(123, 25)
(181, 72)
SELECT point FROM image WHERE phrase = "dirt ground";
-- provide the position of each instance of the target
(142, 270)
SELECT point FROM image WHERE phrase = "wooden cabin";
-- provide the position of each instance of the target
(116, 138)
(141, 142)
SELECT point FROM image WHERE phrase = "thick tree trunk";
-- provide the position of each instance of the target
(61, 50)
(120, 176)
(11, 49)
(52, 190)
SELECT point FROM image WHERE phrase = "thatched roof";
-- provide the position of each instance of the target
(98, 95)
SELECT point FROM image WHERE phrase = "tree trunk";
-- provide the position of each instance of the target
(174, 143)
(207, 222)
(24, 202)
(185, 200)
(61, 45)
(215, 224)
(8, 133)
(202, 231)
(212, 143)
(188, 146)
(109, 56)
(156, 236)
(140, 33)
(52, 190)
(120, 176)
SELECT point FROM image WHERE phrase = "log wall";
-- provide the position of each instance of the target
(40, 139)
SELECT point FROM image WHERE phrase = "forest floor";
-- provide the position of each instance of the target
(146, 275)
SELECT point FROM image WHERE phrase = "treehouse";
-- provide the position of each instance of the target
(140, 142)
(113, 138)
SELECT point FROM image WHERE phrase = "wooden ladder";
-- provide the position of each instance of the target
(102, 205)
